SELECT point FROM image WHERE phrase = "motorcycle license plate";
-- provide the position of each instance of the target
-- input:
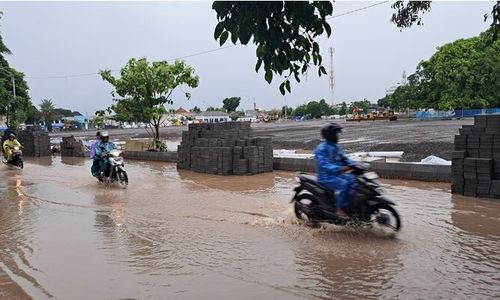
(371, 175)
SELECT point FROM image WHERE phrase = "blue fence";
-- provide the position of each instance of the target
(454, 114)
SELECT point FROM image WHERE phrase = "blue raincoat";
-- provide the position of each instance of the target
(100, 149)
(330, 158)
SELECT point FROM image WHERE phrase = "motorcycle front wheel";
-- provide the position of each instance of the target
(386, 216)
(18, 163)
(122, 178)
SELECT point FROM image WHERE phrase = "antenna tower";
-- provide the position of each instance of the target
(331, 77)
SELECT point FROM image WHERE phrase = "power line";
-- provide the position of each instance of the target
(197, 53)
(356, 10)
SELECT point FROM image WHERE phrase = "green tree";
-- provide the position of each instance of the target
(16, 109)
(61, 112)
(195, 109)
(285, 31)
(286, 111)
(462, 74)
(343, 109)
(363, 105)
(211, 108)
(147, 87)
(47, 111)
(234, 115)
(230, 104)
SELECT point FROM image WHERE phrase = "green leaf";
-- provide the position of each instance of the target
(307, 57)
(269, 76)
(257, 66)
(315, 47)
(328, 29)
(223, 37)
(261, 51)
(234, 37)
(323, 70)
(282, 88)
(287, 83)
(218, 30)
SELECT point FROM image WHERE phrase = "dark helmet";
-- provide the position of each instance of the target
(12, 136)
(329, 131)
(104, 136)
(98, 134)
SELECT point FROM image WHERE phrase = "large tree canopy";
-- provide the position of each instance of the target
(462, 74)
(285, 31)
(230, 104)
(19, 109)
(144, 88)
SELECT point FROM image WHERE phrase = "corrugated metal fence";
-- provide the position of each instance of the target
(454, 114)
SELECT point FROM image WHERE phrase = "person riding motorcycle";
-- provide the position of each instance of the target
(95, 166)
(9, 145)
(332, 164)
(101, 150)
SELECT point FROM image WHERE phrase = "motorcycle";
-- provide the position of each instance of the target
(315, 203)
(116, 169)
(17, 158)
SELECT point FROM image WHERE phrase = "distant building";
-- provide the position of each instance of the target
(212, 117)
(250, 116)
(181, 111)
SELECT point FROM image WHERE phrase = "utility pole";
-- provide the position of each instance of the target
(285, 109)
(403, 83)
(331, 77)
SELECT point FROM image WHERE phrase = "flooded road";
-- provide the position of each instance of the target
(185, 235)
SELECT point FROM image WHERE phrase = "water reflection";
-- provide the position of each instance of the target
(73, 161)
(255, 183)
(476, 216)
(45, 161)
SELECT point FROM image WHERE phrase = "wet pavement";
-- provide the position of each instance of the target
(185, 235)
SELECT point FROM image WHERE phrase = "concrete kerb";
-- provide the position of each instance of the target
(384, 169)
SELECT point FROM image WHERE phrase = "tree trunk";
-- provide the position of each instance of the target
(157, 132)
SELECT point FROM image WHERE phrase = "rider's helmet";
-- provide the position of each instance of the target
(329, 132)
(12, 136)
(104, 136)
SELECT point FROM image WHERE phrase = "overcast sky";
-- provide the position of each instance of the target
(68, 38)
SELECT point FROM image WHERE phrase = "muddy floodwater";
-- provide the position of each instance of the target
(182, 235)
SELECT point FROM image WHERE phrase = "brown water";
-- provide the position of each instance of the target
(184, 235)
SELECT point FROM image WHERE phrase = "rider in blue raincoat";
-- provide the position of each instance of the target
(101, 149)
(331, 165)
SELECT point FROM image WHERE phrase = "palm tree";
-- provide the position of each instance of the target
(47, 111)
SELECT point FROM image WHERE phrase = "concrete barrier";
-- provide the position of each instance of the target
(384, 169)
(168, 156)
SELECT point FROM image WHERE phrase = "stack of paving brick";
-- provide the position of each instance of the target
(36, 143)
(72, 147)
(225, 149)
(476, 159)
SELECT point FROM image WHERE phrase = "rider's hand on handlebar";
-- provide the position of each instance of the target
(346, 169)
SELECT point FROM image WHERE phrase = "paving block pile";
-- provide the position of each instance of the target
(72, 147)
(476, 160)
(227, 148)
(36, 143)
